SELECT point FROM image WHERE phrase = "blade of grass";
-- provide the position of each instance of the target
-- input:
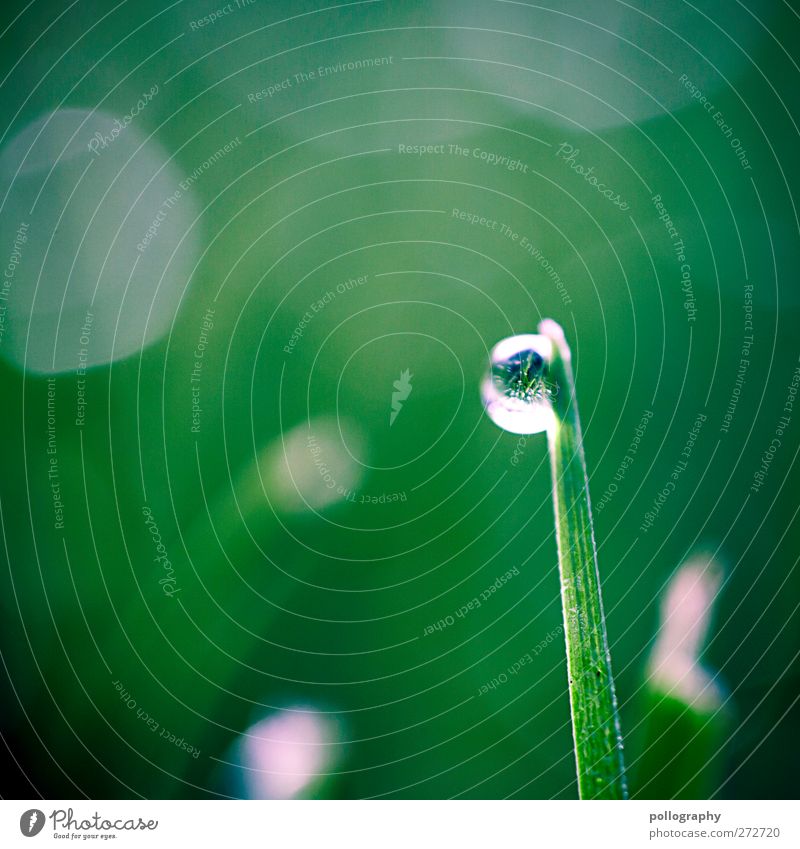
(595, 721)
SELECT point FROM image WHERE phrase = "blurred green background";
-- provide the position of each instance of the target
(283, 590)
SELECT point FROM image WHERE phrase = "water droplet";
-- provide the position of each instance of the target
(517, 391)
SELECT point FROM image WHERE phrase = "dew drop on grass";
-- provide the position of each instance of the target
(517, 392)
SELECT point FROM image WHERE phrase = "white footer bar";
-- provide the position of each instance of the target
(390, 824)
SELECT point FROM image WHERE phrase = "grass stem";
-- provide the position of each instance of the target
(595, 722)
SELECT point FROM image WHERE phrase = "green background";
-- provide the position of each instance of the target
(330, 608)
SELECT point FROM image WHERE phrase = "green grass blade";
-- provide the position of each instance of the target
(595, 722)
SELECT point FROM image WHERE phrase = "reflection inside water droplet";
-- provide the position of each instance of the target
(517, 391)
